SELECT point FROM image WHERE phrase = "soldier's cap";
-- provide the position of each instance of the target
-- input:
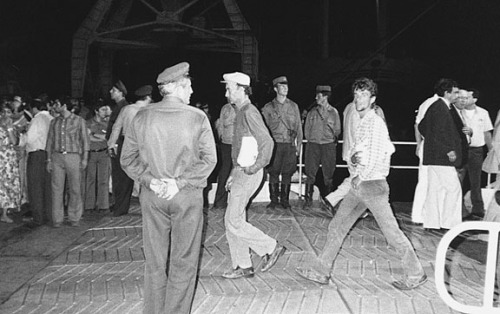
(323, 88)
(173, 73)
(143, 91)
(121, 87)
(280, 80)
(236, 77)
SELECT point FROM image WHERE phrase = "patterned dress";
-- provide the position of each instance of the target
(10, 187)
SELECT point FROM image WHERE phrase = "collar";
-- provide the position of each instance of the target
(446, 101)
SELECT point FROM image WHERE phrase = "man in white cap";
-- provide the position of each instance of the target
(251, 151)
(170, 149)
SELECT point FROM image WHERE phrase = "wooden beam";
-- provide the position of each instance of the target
(127, 28)
(137, 44)
(152, 8)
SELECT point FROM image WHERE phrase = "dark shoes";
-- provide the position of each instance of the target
(269, 260)
(74, 223)
(238, 272)
(312, 275)
(406, 283)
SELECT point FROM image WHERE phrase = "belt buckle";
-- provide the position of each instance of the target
(64, 153)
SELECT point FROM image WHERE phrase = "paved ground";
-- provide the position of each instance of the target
(98, 268)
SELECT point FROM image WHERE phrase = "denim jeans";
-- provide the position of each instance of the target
(97, 181)
(474, 168)
(324, 155)
(66, 165)
(374, 195)
(241, 235)
(171, 232)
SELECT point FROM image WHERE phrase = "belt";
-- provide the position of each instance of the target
(98, 150)
(65, 152)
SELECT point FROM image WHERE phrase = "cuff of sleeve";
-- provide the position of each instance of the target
(181, 183)
(146, 179)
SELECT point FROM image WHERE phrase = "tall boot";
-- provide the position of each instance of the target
(285, 196)
(273, 194)
(308, 197)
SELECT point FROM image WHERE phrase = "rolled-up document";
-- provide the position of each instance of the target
(248, 152)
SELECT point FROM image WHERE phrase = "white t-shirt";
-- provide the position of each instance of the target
(479, 120)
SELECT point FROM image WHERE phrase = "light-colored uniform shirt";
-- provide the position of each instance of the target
(372, 140)
(225, 123)
(36, 136)
(122, 123)
(322, 125)
(479, 120)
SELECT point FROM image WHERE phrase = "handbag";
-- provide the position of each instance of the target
(491, 163)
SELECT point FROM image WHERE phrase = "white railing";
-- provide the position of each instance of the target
(300, 165)
(491, 263)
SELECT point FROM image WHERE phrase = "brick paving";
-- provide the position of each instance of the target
(102, 272)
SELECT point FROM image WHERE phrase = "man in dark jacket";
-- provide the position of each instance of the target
(442, 153)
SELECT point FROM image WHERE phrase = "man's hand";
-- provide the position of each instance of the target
(467, 130)
(248, 170)
(49, 166)
(452, 156)
(356, 158)
(159, 187)
(83, 164)
(113, 151)
(172, 188)
(229, 182)
(355, 182)
(417, 149)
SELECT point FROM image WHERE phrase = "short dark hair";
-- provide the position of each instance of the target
(364, 83)
(99, 104)
(475, 93)
(248, 89)
(38, 104)
(65, 100)
(444, 85)
(325, 93)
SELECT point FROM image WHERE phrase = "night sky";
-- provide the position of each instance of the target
(456, 38)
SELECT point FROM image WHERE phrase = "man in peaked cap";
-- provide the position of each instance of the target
(321, 129)
(170, 150)
(244, 180)
(283, 119)
(122, 184)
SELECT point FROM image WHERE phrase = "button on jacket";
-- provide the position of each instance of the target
(170, 140)
(322, 125)
(280, 117)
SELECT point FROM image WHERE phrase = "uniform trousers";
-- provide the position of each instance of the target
(373, 194)
(66, 165)
(324, 155)
(241, 235)
(97, 181)
(171, 232)
(226, 164)
(39, 186)
(284, 163)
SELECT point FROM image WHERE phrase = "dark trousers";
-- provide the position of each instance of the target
(473, 168)
(324, 154)
(226, 164)
(122, 185)
(284, 163)
(97, 181)
(39, 186)
(172, 231)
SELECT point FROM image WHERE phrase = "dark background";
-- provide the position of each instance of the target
(456, 38)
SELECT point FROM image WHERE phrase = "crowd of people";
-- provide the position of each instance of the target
(57, 153)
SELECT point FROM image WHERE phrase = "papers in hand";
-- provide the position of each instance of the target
(248, 151)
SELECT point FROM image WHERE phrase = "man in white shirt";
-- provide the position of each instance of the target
(479, 120)
(38, 179)
(421, 188)
(370, 160)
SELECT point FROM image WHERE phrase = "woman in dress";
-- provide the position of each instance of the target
(10, 187)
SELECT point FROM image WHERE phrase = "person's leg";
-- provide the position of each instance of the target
(274, 173)
(187, 226)
(434, 200)
(475, 164)
(240, 234)
(90, 181)
(341, 191)
(349, 211)
(450, 214)
(122, 188)
(156, 226)
(103, 172)
(58, 176)
(375, 195)
(312, 159)
(74, 172)
(35, 172)
(328, 165)
(224, 172)
(420, 194)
